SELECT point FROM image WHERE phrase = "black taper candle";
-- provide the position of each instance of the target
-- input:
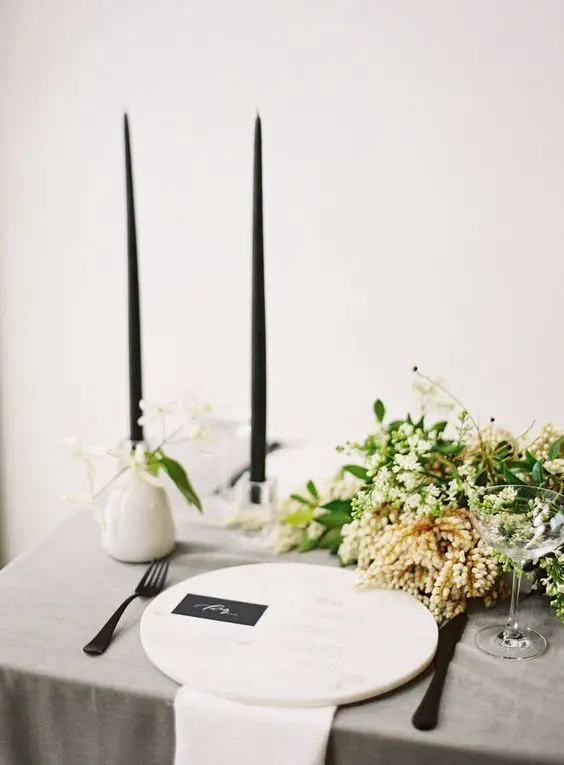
(258, 330)
(134, 313)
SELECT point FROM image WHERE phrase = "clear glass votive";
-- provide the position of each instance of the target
(255, 508)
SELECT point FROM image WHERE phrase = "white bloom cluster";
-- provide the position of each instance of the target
(409, 531)
(439, 560)
(404, 482)
(556, 467)
(541, 444)
(495, 502)
(285, 537)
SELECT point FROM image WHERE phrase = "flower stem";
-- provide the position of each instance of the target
(464, 409)
(110, 482)
(124, 469)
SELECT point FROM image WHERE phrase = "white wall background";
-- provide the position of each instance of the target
(414, 191)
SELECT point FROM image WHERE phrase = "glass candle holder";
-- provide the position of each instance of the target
(255, 508)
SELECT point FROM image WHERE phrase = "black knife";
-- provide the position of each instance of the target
(427, 713)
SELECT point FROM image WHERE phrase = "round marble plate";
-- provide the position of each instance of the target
(318, 642)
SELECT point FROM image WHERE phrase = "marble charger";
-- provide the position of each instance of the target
(290, 634)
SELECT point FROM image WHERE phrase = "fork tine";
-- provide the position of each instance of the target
(148, 573)
(154, 574)
(161, 575)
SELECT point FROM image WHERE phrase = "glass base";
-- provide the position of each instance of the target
(523, 643)
(254, 506)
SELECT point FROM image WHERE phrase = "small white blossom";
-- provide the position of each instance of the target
(315, 530)
(407, 462)
(85, 454)
(284, 537)
(156, 412)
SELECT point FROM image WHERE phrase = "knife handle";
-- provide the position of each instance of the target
(427, 713)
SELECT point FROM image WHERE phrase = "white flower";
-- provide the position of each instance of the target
(77, 448)
(152, 412)
(508, 494)
(452, 492)
(85, 453)
(556, 467)
(122, 452)
(135, 459)
(409, 480)
(195, 421)
(191, 414)
(315, 530)
(284, 537)
(406, 429)
(433, 491)
(407, 462)
(413, 501)
(467, 470)
(193, 408)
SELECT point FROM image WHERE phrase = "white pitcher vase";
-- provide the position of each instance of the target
(137, 523)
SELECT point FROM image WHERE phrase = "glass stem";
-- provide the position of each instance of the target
(512, 631)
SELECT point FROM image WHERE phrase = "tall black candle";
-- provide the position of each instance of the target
(134, 313)
(258, 330)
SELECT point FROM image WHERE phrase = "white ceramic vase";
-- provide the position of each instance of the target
(137, 523)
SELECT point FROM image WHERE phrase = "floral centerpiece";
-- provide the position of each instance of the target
(398, 509)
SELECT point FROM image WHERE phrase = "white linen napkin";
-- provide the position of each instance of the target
(212, 731)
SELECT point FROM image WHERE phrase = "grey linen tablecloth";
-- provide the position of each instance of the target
(61, 707)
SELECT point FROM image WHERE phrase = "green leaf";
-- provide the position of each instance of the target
(330, 539)
(306, 544)
(302, 500)
(538, 473)
(334, 520)
(450, 448)
(379, 410)
(555, 448)
(312, 489)
(300, 517)
(439, 426)
(511, 477)
(357, 471)
(180, 479)
(518, 465)
(503, 449)
(335, 549)
(394, 425)
(343, 505)
(153, 465)
(531, 459)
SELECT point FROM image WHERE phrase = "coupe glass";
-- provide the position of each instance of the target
(524, 523)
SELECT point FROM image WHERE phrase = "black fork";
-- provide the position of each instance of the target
(151, 584)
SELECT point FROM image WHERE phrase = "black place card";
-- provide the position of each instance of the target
(220, 609)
